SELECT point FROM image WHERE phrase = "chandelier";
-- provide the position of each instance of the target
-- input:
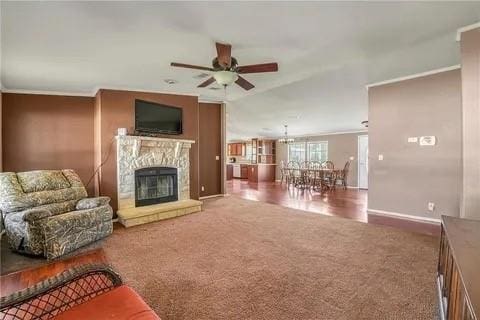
(286, 139)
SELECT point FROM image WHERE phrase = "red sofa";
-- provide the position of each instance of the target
(93, 292)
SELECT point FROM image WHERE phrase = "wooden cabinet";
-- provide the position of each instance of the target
(261, 173)
(265, 151)
(244, 171)
(252, 173)
(229, 171)
(458, 273)
(236, 149)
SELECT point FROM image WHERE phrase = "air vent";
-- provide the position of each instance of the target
(202, 75)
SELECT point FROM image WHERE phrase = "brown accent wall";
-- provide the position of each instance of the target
(48, 132)
(410, 175)
(470, 50)
(210, 141)
(115, 109)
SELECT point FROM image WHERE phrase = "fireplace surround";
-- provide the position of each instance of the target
(153, 179)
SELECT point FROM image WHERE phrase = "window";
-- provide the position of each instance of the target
(296, 151)
(317, 151)
(308, 151)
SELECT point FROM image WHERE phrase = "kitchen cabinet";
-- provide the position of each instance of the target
(244, 171)
(264, 151)
(236, 149)
(261, 172)
(229, 172)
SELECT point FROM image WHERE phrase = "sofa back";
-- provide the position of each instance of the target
(54, 190)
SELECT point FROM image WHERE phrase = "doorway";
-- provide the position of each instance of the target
(363, 162)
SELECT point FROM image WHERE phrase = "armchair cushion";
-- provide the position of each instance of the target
(119, 303)
(31, 215)
(42, 180)
(90, 203)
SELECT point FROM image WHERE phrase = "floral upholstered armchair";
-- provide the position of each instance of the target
(47, 212)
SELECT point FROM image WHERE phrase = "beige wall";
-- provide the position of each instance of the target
(470, 52)
(340, 148)
(410, 176)
(1, 139)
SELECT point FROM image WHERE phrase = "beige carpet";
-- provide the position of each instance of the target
(241, 259)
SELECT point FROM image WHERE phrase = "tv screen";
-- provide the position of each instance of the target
(157, 118)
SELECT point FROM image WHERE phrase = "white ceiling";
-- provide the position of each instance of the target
(327, 52)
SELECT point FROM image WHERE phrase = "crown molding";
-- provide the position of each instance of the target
(93, 92)
(46, 92)
(413, 76)
(465, 29)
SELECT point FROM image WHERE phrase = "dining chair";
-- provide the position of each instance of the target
(316, 175)
(293, 172)
(282, 171)
(342, 175)
(328, 176)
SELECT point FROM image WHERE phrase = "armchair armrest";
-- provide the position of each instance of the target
(70, 288)
(90, 203)
(31, 215)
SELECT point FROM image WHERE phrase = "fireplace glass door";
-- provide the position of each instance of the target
(155, 185)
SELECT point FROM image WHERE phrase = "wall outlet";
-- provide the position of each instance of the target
(203, 188)
(431, 206)
(413, 139)
(352, 158)
(380, 157)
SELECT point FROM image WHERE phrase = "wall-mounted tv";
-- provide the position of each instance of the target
(157, 118)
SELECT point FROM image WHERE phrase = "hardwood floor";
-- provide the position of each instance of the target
(22, 279)
(350, 203)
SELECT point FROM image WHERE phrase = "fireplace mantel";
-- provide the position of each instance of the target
(137, 152)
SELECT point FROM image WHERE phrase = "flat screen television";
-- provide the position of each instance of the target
(157, 118)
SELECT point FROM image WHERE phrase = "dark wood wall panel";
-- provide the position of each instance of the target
(48, 132)
(210, 147)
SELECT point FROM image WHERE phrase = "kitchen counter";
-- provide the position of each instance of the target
(261, 172)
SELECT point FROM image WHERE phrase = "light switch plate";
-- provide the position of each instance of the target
(413, 139)
(380, 157)
(428, 140)
(217, 157)
(352, 158)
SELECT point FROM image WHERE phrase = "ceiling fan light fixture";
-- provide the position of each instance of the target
(225, 78)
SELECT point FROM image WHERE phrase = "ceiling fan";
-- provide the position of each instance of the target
(226, 68)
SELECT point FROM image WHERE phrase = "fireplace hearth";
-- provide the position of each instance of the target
(155, 185)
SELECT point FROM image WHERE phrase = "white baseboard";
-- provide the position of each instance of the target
(403, 216)
(212, 196)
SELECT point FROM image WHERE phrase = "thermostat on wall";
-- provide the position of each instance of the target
(427, 141)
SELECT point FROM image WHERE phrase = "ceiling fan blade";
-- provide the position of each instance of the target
(224, 54)
(190, 66)
(257, 68)
(206, 83)
(244, 83)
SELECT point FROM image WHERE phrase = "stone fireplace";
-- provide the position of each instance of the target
(153, 177)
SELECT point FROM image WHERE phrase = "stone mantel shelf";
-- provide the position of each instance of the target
(128, 137)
